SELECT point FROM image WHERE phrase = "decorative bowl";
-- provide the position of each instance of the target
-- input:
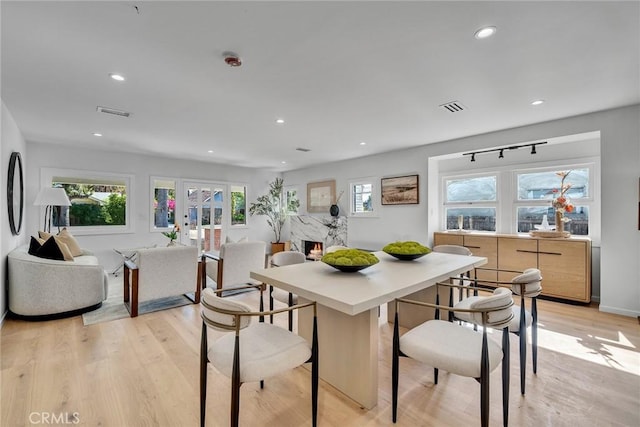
(407, 257)
(349, 268)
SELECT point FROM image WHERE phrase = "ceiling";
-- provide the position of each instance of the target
(338, 73)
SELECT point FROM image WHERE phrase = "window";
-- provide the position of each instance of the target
(163, 203)
(474, 199)
(362, 197)
(535, 190)
(238, 205)
(100, 202)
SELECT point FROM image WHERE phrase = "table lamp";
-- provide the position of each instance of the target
(50, 197)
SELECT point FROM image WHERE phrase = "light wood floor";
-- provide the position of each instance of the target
(144, 372)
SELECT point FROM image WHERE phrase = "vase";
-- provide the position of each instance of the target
(334, 210)
(559, 221)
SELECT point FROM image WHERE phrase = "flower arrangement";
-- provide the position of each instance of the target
(560, 201)
(173, 234)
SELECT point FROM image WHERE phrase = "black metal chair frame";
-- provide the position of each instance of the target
(487, 285)
(235, 377)
(484, 364)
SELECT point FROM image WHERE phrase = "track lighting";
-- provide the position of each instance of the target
(501, 150)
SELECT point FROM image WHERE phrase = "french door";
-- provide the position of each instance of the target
(204, 215)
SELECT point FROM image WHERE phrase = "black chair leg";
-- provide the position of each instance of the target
(534, 335)
(235, 385)
(505, 376)
(271, 303)
(203, 374)
(290, 313)
(315, 369)
(522, 333)
(395, 369)
(435, 376)
(484, 382)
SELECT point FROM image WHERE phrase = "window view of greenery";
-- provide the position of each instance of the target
(542, 187)
(93, 204)
(461, 192)
(238, 205)
(362, 198)
(164, 205)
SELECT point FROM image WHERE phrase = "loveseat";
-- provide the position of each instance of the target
(45, 287)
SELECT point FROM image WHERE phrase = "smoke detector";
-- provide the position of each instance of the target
(232, 59)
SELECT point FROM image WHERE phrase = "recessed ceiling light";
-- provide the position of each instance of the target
(209, 151)
(538, 102)
(363, 143)
(97, 134)
(279, 121)
(283, 162)
(117, 77)
(485, 32)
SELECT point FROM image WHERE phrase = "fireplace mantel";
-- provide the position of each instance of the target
(329, 230)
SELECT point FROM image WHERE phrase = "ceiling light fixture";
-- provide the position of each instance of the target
(501, 150)
(538, 102)
(117, 77)
(97, 134)
(209, 151)
(363, 143)
(283, 162)
(280, 121)
(485, 32)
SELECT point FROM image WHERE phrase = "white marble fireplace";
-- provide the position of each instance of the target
(327, 230)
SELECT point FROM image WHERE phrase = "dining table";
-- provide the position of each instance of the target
(348, 305)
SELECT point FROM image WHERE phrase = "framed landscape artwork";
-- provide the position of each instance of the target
(320, 196)
(400, 190)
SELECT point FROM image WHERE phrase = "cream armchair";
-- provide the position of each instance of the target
(159, 273)
(234, 263)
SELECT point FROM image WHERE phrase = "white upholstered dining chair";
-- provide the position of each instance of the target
(249, 350)
(280, 259)
(526, 285)
(458, 349)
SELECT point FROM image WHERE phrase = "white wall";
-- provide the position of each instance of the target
(620, 171)
(142, 168)
(11, 140)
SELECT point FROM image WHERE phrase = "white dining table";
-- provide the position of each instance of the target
(348, 306)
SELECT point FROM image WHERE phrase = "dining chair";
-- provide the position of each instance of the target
(281, 259)
(251, 351)
(458, 349)
(464, 279)
(526, 285)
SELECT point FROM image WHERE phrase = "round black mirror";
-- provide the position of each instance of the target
(15, 193)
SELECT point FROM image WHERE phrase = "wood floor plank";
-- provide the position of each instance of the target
(144, 372)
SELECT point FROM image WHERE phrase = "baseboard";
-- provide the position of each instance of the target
(4, 316)
(595, 299)
(621, 311)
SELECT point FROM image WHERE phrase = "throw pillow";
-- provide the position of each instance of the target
(50, 250)
(44, 235)
(66, 253)
(34, 245)
(66, 237)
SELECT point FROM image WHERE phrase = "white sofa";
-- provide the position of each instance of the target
(159, 273)
(44, 287)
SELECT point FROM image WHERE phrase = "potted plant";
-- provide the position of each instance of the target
(275, 207)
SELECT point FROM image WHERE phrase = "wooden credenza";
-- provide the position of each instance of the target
(565, 263)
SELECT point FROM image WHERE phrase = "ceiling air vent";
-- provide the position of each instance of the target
(113, 111)
(453, 107)
(304, 150)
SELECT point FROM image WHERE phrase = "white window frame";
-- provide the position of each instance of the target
(506, 211)
(375, 195)
(473, 204)
(588, 201)
(246, 205)
(178, 208)
(46, 179)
